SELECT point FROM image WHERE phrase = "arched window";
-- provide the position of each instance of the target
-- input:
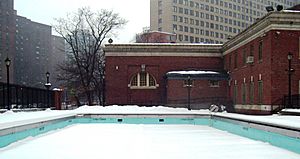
(143, 80)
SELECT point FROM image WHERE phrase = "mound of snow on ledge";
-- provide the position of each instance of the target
(136, 110)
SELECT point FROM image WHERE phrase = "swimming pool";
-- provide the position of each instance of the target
(264, 133)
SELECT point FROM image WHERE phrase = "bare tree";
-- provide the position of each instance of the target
(84, 32)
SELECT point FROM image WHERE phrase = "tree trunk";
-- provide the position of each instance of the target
(100, 97)
(89, 98)
(77, 101)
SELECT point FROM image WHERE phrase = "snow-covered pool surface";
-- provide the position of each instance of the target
(140, 141)
(132, 141)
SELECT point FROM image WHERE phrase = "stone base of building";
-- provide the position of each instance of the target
(193, 106)
(256, 109)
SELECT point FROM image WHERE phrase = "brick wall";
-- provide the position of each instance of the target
(120, 69)
(243, 72)
(284, 42)
(271, 69)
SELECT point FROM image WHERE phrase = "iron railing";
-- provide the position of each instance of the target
(23, 97)
(283, 103)
(295, 101)
(203, 103)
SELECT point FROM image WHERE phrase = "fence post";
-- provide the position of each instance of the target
(3, 95)
(58, 99)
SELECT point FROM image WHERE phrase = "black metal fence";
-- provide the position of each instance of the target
(295, 101)
(22, 97)
(203, 103)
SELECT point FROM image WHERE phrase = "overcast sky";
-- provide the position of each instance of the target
(137, 12)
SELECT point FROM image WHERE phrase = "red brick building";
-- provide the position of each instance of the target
(251, 69)
(257, 62)
(136, 73)
(155, 37)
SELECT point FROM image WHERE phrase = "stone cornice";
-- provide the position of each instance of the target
(153, 49)
(165, 54)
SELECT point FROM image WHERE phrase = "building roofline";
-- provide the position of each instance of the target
(33, 22)
(283, 20)
(276, 20)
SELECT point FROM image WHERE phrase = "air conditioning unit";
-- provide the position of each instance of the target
(250, 59)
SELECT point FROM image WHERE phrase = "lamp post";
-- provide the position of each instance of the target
(7, 63)
(47, 85)
(290, 71)
(189, 85)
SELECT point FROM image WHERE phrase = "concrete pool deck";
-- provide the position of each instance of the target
(10, 119)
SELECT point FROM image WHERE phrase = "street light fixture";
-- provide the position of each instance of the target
(110, 41)
(47, 85)
(279, 7)
(189, 85)
(290, 71)
(7, 63)
(47, 75)
(269, 8)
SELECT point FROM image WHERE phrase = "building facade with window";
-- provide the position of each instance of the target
(137, 73)
(248, 71)
(208, 21)
(33, 50)
(29, 45)
(257, 61)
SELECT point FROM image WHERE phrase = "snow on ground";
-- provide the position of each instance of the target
(11, 119)
(292, 110)
(137, 110)
(193, 72)
(115, 141)
(279, 120)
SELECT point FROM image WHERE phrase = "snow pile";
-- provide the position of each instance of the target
(193, 72)
(279, 120)
(10, 116)
(291, 110)
(136, 110)
(11, 119)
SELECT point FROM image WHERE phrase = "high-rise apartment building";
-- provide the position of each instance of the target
(208, 21)
(30, 46)
(33, 50)
(57, 57)
(7, 37)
